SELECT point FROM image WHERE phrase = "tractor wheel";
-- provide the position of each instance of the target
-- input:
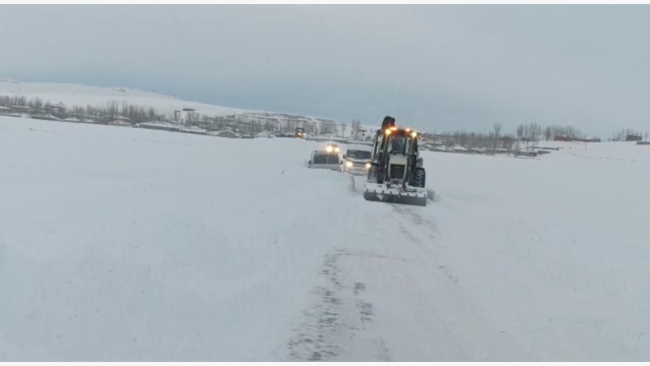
(419, 178)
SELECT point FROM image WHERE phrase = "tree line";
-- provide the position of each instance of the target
(134, 114)
(112, 110)
(627, 134)
(525, 134)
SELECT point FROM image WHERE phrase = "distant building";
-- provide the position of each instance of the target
(46, 117)
(20, 108)
(569, 139)
(6, 111)
(119, 121)
(195, 130)
(159, 126)
(188, 116)
(228, 134)
(54, 109)
(563, 138)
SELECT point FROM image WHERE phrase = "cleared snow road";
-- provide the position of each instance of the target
(123, 244)
(382, 295)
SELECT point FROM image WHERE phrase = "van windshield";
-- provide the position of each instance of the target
(358, 154)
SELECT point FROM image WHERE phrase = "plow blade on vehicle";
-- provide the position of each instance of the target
(383, 193)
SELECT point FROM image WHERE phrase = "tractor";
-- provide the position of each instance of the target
(396, 172)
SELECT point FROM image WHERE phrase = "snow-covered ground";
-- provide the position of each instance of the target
(131, 244)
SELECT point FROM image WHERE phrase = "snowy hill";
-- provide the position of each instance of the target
(96, 96)
(130, 244)
(82, 95)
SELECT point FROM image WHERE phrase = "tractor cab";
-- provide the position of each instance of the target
(332, 148)
(300, 132)
(395, 151)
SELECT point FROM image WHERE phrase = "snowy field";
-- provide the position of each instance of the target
(122, 244)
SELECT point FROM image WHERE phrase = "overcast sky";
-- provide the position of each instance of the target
(431, 66)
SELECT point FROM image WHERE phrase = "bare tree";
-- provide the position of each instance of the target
(520, 132)
(497, 129)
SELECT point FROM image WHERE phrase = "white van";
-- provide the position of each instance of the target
(356, 160)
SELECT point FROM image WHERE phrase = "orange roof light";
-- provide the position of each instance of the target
(408, 129)
(394, 128)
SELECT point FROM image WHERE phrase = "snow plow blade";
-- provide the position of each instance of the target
(380, 193)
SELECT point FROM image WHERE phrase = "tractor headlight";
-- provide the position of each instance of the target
(368, 165)
(337, 149)
(329, 149)
(348, 164)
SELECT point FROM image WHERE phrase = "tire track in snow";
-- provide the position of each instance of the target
(336, 319)
(415, 227)
(322, 323)
(388, 290)
(340, 316)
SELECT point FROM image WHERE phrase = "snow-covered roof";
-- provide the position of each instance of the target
(193, 130)
(226, 133)
(155, 123)
(45, 116)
